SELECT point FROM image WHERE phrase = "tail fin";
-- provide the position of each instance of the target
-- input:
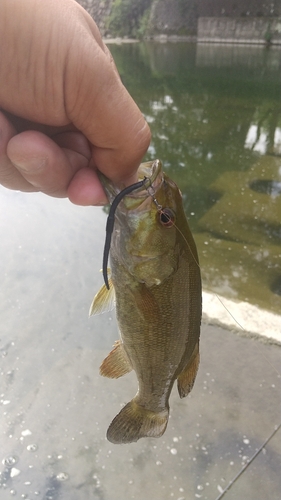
(134, 422)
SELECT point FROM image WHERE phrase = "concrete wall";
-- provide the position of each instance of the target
(239, 30)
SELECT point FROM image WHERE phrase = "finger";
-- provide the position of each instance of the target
(99, 105)
(73, 141)
(10, 177)
(44, 164)
(85, 189)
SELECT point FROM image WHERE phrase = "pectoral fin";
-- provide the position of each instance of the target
(116, 363)
(104, 300)
(187, 377)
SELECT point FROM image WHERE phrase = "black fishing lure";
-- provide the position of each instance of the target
(110, 223)
(166, 214)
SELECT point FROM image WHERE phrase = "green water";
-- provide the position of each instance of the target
(215, 117)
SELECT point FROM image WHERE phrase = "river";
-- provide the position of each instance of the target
(215, 119)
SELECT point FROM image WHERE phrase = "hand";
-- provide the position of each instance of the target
(65, 112)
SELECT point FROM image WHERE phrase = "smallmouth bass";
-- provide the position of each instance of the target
(155, 277)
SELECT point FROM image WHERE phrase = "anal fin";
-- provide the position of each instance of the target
(116, 363)
(187, 377)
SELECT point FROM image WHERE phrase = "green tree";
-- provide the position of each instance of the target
(128, 17)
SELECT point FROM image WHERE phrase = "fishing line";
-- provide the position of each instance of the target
(242, 328)
(193, 256)
(110, 223)
(230, 314)
(276, 428)
(161, 211)
(228, 311)
(146, 183)
(248, 463)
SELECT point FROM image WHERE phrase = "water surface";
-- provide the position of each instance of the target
(215, 116)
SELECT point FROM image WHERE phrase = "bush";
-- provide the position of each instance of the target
(128, 17)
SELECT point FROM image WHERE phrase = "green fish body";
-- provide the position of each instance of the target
(155, 276)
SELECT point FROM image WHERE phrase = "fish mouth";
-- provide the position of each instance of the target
(147, 186)
(148, 172)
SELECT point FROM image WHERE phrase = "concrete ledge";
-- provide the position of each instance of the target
(241, 41)
(244, 318)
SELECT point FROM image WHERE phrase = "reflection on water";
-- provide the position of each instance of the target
(234, 57)
(258, 139)
(215, 116)
(268, 187)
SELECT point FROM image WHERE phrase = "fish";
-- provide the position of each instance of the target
(155, 283)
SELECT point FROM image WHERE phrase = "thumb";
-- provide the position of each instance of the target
(99, 105)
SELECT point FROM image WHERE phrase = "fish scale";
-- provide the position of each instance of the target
(156, 279)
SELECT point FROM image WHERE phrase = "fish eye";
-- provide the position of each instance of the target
(167, 217)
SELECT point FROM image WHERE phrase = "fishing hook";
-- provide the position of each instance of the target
(151, 192)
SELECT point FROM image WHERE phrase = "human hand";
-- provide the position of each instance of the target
(65, 112)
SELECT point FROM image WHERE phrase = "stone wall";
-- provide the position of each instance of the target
(238, 8)
(239, 30)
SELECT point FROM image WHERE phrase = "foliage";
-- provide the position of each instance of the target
(143, 23)
(185, 6)
(268, 34)
(129, 17)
